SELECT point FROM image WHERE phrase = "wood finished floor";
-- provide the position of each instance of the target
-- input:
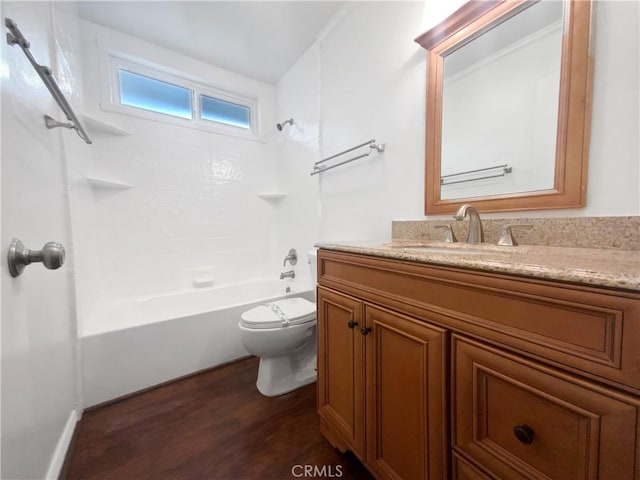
(212, 426)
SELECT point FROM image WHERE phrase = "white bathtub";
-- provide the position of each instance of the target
(132, 345)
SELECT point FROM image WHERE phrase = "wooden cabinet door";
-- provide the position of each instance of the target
(406, 397)
(520, 420)
(341, 368)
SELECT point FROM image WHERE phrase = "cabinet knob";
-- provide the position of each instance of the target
(524, 433)
(352, 324)
(365, 330)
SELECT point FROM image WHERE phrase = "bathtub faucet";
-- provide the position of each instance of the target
(289, 274)
(292, 258)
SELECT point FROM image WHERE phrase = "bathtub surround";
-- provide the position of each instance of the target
(587, 232)
(193, 202)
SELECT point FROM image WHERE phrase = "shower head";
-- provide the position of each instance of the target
(280, 126)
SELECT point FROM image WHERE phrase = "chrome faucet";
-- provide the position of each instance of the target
(475, 224)
(289, 274)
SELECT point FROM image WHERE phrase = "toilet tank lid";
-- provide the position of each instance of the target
(294, 310)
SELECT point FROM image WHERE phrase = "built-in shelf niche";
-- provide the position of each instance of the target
(107, 183)
(100, 126)
(272, 196)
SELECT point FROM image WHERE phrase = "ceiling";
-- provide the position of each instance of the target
(260, 40)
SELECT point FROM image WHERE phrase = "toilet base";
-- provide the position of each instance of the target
(284, 373)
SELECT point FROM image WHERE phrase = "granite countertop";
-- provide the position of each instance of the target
(588, 266)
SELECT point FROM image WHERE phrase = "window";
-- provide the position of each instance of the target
(151, 94)
(216, 110)
(154, 93)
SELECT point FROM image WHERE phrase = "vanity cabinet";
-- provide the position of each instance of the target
(381, 387)
(437, 372)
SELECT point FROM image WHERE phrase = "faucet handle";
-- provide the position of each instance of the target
(506, 235)
(292, 258)
(449, 236)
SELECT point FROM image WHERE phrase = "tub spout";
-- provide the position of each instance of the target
(289, 274)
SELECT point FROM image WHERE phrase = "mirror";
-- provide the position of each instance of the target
(508, 102)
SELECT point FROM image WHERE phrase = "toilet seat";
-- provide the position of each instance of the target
(280, 314)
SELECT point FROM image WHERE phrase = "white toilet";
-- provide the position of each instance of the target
(283, 335)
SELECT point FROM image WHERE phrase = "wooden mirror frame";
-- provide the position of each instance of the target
(574, 110)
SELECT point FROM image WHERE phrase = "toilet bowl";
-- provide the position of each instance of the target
(283, 335)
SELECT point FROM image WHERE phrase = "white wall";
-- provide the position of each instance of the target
(372, 85)
(614, 152)
(437, 10)
(193, 204)
(39, 347)
(297, 150)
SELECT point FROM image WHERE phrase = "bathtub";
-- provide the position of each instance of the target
(132, 345)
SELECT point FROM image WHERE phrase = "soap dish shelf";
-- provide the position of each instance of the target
(104, 183)
(100, 126)
(272, 196)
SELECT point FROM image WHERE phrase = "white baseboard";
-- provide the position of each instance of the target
(57, 460)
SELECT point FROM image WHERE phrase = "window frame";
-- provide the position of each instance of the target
(118, 62)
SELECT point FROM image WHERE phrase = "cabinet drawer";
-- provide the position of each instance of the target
(521, 420)
(462, 470)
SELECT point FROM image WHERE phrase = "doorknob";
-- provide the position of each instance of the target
(52, 256)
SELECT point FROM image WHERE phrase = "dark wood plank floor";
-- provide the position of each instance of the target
(211, 426)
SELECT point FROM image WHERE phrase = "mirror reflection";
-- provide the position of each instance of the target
(500, 98)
